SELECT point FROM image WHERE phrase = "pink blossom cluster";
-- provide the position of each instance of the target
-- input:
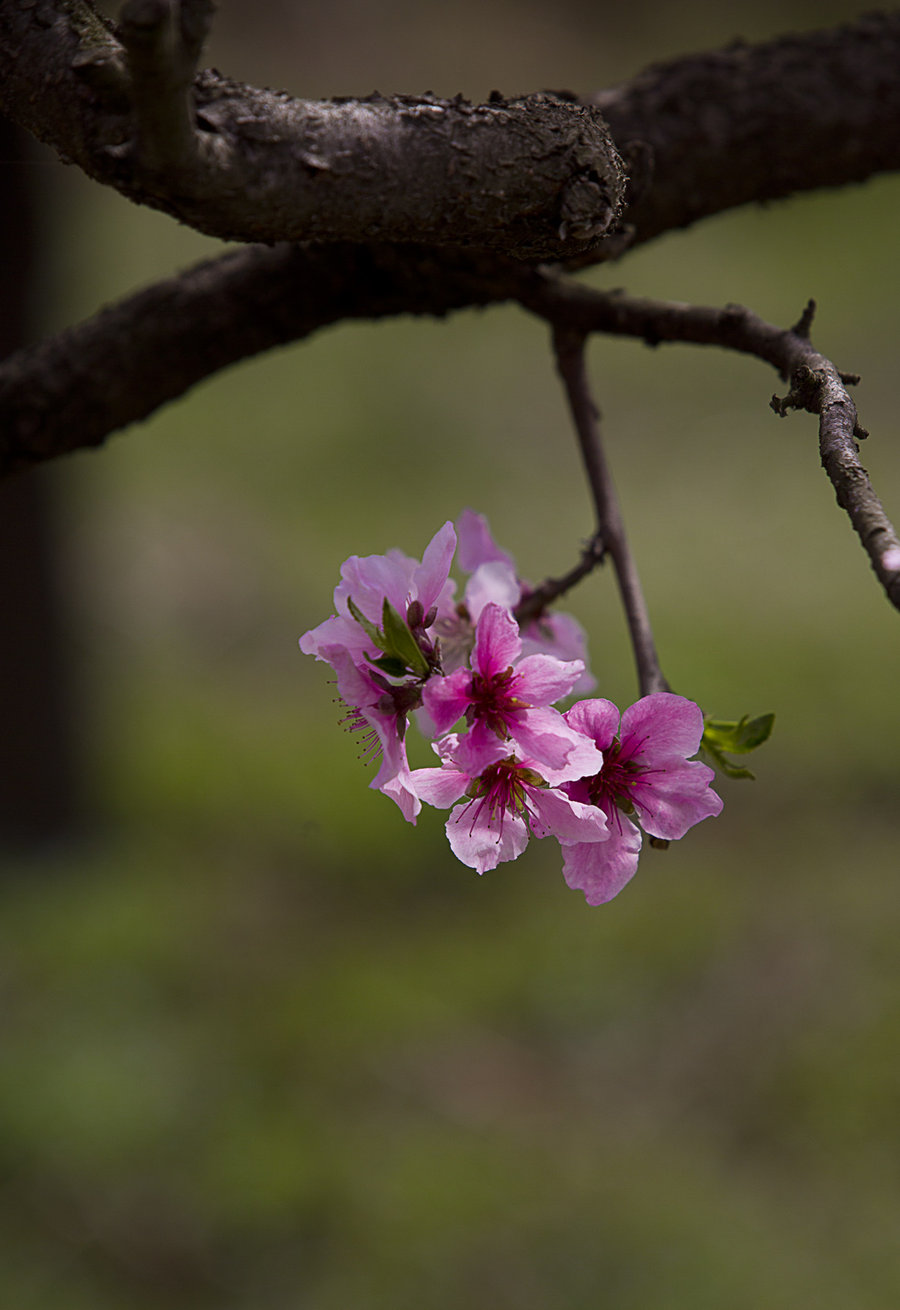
(511, 764)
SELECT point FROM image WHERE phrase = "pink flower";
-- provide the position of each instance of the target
(508, 799)
(505, 698)
(379, 699)
(378, 708)
(371, 580)
(494, 580)
(647, 774)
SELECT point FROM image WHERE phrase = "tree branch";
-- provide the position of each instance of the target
(538, 177)
(569, 348)
(162, 40)
(535, 602)
(74, 389)
(758, 122)
(816, 385)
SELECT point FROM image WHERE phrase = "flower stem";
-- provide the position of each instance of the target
(569, 349)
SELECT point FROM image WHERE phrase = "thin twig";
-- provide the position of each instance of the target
(569, 348)
(816, 385)
(533, 604)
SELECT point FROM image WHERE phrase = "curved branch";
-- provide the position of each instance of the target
(815, 384)
(758, 122)
(538, 177)
(74, 389)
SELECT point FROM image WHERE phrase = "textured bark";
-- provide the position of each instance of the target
(720, 129)
(537, 178)
(74, 389)
(758, 122)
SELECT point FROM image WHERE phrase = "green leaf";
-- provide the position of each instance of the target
(400, 642)
(389, 664)
(375, 635)
(736, 738)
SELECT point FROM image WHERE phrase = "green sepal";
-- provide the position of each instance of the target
(737, 738)
(375, 635)
(389, 664)
(400, 643)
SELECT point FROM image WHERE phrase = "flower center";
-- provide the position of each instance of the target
(502, 787)
(491, 701)
(615, 782)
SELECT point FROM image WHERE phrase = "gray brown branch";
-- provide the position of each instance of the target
(74, 389)
(754, 123)
(816, 385)
(568, 346)
(537, 178)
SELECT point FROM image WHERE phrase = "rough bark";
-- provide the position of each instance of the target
(72, 390)
(717, 130)
(757, 122)
(537, 178)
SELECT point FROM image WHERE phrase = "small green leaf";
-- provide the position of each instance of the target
(400, 643)
(390, 665)
(736, 738)
(375, 635)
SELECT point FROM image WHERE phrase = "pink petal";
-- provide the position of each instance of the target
(476, 544)
(398, 788)
(557, 751)
(439, 787)
(672, 799)
(661, 726)
(563, 636)
(542, 679)
(601, 869)
(447, 699)
(597, 719)
(335, 633)
(492, 583)
(483, 843)
(371, 578)
(557, 815)
(431, 575)
(478, 749)
(497, 643)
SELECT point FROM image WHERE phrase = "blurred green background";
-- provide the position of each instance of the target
(266, 1046)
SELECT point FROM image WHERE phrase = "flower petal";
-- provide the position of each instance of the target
(556, 750)
(601, 869)
(597, 719)
(439, 787)
(492, 583)
(447, 699)
(476, 543)
(672, 799)
(556, 815)
(563, 636)
(431, 575)
(482, 841)
(661, 726)
(543, 679)
(497, 643)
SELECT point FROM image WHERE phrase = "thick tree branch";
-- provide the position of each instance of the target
(537, 178)
(815, 385)
(74, 389)
(758, 122)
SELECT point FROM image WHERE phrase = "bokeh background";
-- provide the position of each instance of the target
(266, 1046)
